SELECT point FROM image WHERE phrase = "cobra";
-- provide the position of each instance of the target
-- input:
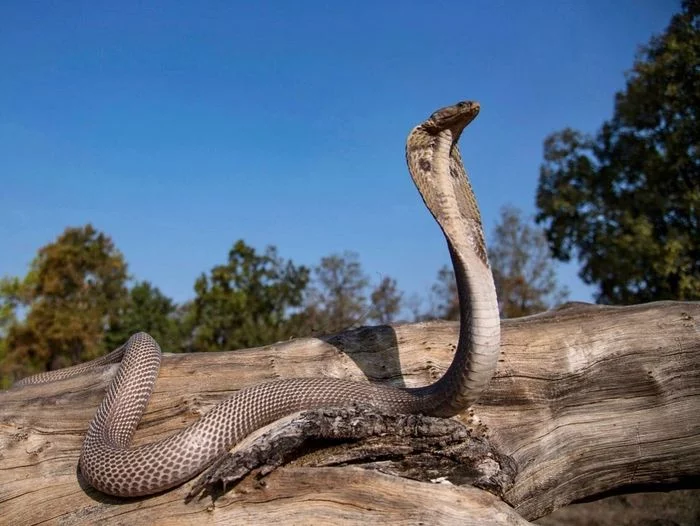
(109, 462)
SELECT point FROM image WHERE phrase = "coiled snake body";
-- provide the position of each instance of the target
(109, 463)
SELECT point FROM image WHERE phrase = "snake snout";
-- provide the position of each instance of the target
(469, 105)
(455, 117)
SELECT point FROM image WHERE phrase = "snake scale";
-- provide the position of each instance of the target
(110, 464)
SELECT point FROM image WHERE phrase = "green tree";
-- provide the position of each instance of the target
(10, 298)
(249, 301)
(70, 296)
(148, 309)
(522, 267)
(9, 289)
(627, 201)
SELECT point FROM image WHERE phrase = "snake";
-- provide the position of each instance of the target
(110, 463)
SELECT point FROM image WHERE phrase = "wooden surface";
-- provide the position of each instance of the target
(586, 399)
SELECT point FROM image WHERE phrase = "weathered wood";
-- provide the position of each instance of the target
(586, 399)
(414, 446)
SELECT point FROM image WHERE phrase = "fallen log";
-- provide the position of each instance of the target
(587, 399)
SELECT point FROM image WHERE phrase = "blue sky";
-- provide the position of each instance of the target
(179, 127)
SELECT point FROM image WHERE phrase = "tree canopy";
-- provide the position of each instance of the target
(77, 302)
(522, 270)
(627, 201)
(386, 301)
(522, 267)
(336, 299)
(340, 296)
(248, 301)
(147, 309)
(72, 292)
(445, 301)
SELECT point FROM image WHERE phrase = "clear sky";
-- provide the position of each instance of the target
(179, 127)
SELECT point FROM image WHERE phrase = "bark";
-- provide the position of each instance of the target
(586, 399)
(414, 446)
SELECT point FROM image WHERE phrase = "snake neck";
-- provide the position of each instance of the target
(436, 167)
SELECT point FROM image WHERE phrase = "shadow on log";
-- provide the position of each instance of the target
(587, 399)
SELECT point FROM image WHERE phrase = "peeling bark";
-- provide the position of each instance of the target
(412, 446)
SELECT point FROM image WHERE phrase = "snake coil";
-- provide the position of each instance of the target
(110, 464)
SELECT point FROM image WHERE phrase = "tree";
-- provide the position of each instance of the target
(386, 301)
(336, 299)
(522, 267)
(522, 271)
(9, 288)
(340, 297)
(71, 293)
(247, 302)
(147, 309)
(445, 301)
(627, 202)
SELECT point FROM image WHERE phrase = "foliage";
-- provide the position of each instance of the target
(445, 300)
(336, 299)
(522, 270)
(9, 289)
(75, 305)
(148, 309)
(522, 267)
(248, 301)
(627, 202)
(70, 294)
(339, 296)
(386, 301)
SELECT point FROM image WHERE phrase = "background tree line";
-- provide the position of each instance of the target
(624, 202)
(78, 301)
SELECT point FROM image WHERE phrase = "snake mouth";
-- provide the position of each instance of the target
(454, 118)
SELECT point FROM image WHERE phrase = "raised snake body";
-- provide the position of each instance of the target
(109, 463)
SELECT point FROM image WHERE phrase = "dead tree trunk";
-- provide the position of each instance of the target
(586, 399)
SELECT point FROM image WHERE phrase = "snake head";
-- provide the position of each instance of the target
(454, 118)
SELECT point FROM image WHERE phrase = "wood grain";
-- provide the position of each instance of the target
(586, 399)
